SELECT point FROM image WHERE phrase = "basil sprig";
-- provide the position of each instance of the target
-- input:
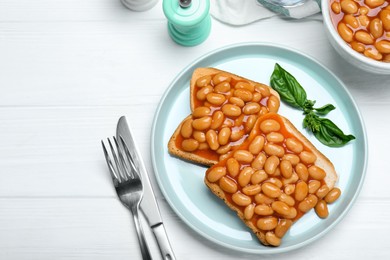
(294, 94)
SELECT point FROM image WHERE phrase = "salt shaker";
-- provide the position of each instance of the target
(189, 21)
(139, 5)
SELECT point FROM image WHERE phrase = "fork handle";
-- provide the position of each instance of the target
(141, 237)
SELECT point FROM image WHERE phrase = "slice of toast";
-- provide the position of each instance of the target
(273, 178)
(224, 109)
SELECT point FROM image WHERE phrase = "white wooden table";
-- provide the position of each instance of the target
(69, 69)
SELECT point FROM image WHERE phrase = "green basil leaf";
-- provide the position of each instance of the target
(324, 110)
(288, 87)
(326, 131)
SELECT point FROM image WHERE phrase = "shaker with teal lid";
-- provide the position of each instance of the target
(189, 21)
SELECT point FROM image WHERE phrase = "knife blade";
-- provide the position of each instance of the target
(149, 204)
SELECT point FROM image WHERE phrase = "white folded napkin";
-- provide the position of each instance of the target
(241, 12)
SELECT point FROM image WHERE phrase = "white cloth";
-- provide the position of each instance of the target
(241, 12)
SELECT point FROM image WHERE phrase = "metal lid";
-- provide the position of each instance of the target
(193, 14)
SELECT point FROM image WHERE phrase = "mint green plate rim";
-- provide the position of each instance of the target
(172, 188)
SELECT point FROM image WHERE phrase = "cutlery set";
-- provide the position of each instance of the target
(133, 187)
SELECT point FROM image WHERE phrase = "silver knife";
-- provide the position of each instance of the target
(148, 204)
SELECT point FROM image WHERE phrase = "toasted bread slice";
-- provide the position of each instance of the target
(248, 178)
(220, 101)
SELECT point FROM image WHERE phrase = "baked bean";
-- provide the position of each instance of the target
(289, 189)
(273, 104)
(293, 158)
(201, 112)
(270, 190)
(224, 156)
(245, 85)
(263, 111)
(271, 164)
(364, 20)
(293, 179)
(224, 149)
(282, 227)
(256, 97)
(239, 120)
(228, 185)
(307, 157)
(220, 77)
(224, 135)
(333, 195)
(383, 46)
(267, 223)
(241, 199)
(351, 21)
(269, 125)
(186, 129)
(212, 139)
(231, 110)
(275, 137)
(259, 161)
(251, 189)
(281, 208)
(250, 122)
(243, 94)
(263, 210)
(263, 199)
(275, 181)
(294, 145)
(215, 99)
(263, 89)
(384, 15)
(302, 171)
(237, 134)
(308, 203)
(316, 173)
(349, 6)
(203, 81)
(314, 185)
(190, 145)
(251, 108)
(286, 169)
(272, 239)
(336, 8)
(376, 28)
(249, 211)
(245, 176)
(301, 190)
(345, 32)
(357, 46)
(364, 37)
(292, 214)
(216, 173)
(363, 10)
(217, 120)
(243, 156)
(374, 3)
(274, 149)
(258, 176)
(233, 167)
(199, 136)
(256, 145)
(322, 191)
(222, 87)
(202, 123)
(373, 54)
(203, 146)
(237, 101)
(287, 199)
(322, 209)
(202, 93)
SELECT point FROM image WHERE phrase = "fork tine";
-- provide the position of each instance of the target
(121, 177)
(110, 165)
(130, 159)
(125, 169)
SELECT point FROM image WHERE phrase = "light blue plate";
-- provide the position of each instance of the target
(182, 182)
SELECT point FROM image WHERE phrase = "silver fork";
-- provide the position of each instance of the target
(128, 185)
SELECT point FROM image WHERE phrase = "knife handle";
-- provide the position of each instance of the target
(163, 242)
